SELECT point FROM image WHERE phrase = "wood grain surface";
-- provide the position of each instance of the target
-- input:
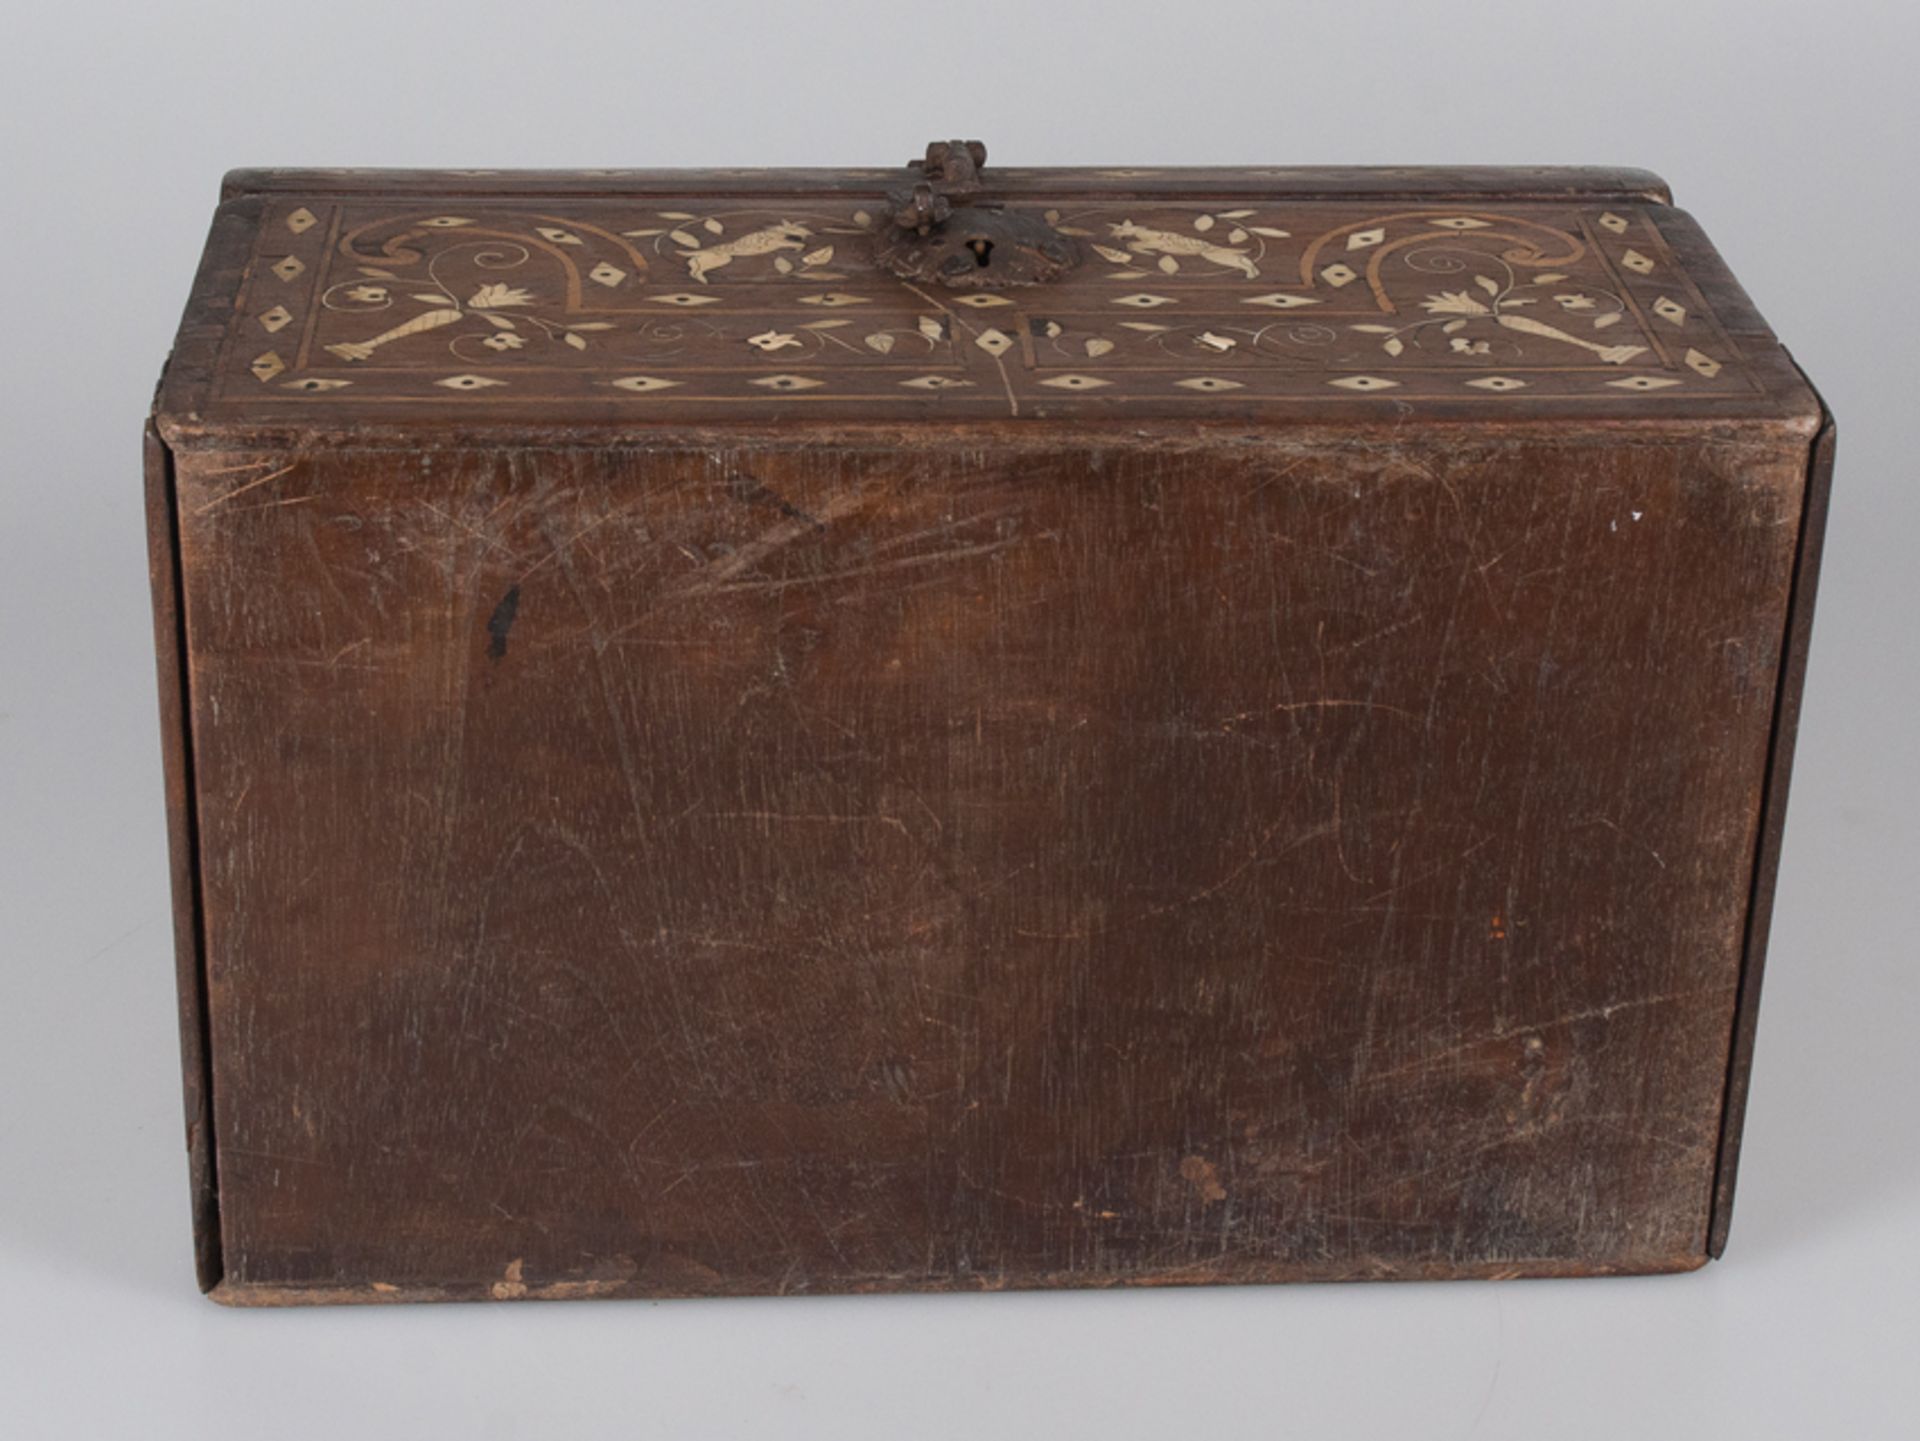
(922, 853)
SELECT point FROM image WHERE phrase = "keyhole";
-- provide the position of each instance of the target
(982, 252)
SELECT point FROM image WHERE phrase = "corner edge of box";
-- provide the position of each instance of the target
(170, 655)
(1772, 822)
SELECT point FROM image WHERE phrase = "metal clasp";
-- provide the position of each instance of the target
(942, 232)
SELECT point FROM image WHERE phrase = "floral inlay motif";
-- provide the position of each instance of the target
(1238, 306)
(1463, 317)
(488, 304)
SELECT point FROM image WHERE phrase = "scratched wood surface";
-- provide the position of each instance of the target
(914, 856)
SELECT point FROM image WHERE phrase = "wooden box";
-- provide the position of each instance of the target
(911, 730)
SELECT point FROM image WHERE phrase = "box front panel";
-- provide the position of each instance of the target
(660, 871)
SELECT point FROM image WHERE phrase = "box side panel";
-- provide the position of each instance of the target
(169, 641)
(1793, 673)
(662, 871)
(410, 321)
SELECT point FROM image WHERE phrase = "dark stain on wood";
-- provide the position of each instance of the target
(749, 491)
(500, 623)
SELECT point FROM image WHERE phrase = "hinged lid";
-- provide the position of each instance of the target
(387, 301)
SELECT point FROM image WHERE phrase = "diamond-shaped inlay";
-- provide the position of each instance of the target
(935, 382)
(1613, 222)
(468, 382)
(787, 382)
(683, 298)
(996, 343)
(1670, 310)
(607, 275)
(557, 235)
(1497, 383)
(1143, 301)
(1637, 263)
(314, 383)
(1280, 300)
(266, 366)
(642, 384)
(302, 220)
(1209, 383)
(1462, 222)
(276, 319)
(1076, 382)
(1645, 382)
(1339, 275)
(1702, 363)
(447, 222)
(834, 299)
(981, 302)
(1366, 239)
(288, 266)
(1363, 382)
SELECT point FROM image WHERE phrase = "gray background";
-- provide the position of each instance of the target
(1790, 130)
